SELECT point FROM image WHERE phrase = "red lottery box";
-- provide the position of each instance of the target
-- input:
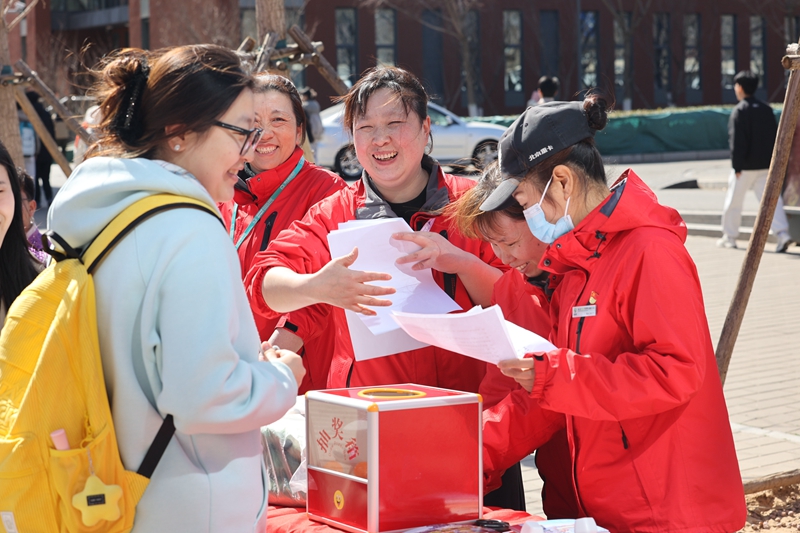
(393, 457)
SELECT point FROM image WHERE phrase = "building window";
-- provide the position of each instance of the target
(589, 64)
(385, 37)
(346, 35)
(146, 33)
(621, 32)
(548, 35)
(728, 50)
(661, 52)
(758, 49)
(691, 51)
(512, 52)
(432, 63)
(473, 30)
(791, 29)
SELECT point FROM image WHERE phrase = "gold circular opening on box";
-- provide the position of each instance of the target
(385, 393)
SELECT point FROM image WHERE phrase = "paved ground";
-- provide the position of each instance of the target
(763, 384)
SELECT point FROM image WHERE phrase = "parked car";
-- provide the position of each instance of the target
(455, 141)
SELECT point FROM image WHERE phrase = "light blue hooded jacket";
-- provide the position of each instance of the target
(170, 297)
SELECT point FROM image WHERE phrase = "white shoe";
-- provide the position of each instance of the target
(784, 241)
(726, 242)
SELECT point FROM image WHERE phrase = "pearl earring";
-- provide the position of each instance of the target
(177, 147)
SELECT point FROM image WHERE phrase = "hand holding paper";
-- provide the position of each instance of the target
(434, 252)
(520, 370)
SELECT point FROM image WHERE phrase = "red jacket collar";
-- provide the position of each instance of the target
(262, 185)
(630, 205)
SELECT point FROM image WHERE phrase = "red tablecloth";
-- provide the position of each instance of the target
(295, 520)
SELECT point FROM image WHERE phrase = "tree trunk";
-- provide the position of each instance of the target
(270, 16)
(9, 123)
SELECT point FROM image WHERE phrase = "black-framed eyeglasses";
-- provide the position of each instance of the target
(251, 137)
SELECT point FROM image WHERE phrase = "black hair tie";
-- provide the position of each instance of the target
(128, 125)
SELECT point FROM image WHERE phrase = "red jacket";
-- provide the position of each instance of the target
(303, 248)
(647, 424)
(311, 185)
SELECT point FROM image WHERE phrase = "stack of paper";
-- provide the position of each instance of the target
(480, 333)
(417, 292)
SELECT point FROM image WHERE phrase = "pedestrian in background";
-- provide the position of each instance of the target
(44, 160)
(314, 127)
(751, 133)
(548, 88)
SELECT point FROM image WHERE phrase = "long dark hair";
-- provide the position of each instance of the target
(141, 93)
(17, 268)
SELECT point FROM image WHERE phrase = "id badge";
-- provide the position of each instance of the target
(580, 311)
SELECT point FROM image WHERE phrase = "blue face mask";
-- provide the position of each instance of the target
(543, 230)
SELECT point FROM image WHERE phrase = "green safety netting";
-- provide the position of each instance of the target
(642, 132)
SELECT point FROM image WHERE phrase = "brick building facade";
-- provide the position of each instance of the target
(682, 52)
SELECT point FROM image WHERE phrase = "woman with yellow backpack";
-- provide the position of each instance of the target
(176, 334)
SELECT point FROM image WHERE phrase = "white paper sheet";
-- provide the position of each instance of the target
(366, 345)
(417, 292)
(480, 333)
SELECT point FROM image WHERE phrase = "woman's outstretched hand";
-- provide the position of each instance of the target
(337, 284)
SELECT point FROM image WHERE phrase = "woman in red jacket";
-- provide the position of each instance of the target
(520, 293)
(634, 372)
(386, 113)
(276, 188)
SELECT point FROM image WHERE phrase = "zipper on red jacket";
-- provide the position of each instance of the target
(269, 222)
(450, 280)
(578, 335)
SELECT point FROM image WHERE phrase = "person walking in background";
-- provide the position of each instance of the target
(314, 128)
(43, 158)
(751, 133)
(548, 88)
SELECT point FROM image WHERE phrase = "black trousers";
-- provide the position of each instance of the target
(511, 494)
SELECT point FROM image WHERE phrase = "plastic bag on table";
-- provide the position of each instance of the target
(284, 452)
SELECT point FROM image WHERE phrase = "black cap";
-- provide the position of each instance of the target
(539, 132)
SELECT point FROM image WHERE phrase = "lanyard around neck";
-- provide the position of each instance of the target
(264, 208)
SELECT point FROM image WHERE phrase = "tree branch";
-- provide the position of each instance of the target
(22, 15)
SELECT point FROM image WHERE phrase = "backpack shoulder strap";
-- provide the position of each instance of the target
(108, 238)
(131, 217)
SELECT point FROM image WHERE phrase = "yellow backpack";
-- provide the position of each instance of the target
(51, 378)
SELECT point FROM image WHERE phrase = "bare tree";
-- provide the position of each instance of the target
(270, 17)
(627, 21)
(773, 12)
(9, 123)
(211, 22)
(456, 22)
